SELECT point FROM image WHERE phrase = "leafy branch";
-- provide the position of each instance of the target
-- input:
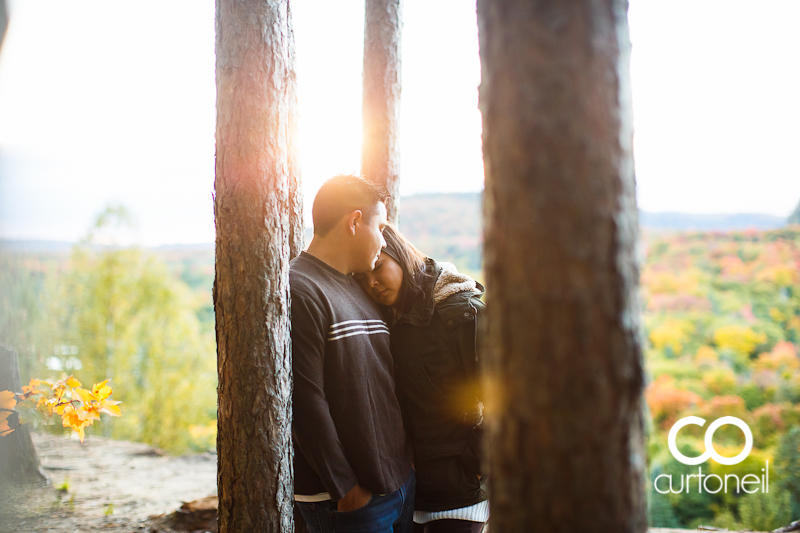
(77, 407)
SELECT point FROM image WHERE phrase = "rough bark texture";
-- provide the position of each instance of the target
(19, 462)
(563, 369)
(257, 214)
(380, 156)
(296, 222)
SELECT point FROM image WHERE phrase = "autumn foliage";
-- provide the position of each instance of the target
(722, 315)
(667, 402)
(77, 407)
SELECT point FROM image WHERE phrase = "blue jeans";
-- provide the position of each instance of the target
(392, 513)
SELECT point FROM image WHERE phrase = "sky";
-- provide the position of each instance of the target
(110, 102)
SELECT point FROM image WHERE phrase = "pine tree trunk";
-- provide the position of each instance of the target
(296, 222)
(380, 157)
(257, 212)
(19, 462)
(563, 361)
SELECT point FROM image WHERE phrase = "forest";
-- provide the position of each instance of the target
(722, 316)
(722, 330)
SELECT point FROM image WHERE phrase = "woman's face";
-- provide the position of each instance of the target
(383, 282)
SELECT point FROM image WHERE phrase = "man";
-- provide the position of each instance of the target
(352, 460)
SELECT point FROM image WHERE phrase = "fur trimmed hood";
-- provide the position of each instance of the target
(451, 281)
(445, 281)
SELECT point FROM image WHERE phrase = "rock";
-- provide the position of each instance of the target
(197, 515)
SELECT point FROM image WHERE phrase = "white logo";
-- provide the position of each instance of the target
(710, 451)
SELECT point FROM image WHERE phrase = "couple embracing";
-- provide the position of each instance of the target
(387, 417)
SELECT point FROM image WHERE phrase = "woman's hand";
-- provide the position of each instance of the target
(357, 498)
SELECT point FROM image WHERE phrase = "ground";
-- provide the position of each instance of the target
(107, 485)
(111, 486)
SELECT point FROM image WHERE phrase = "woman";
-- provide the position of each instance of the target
(434, 312)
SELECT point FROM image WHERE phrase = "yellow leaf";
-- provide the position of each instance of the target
(85, 413)
(101, 390)
(31, 388)
(84, 395)
(69, 418)
(7, 399)
(4, 428)
(112, 410)
(73, 419)
(72, 382)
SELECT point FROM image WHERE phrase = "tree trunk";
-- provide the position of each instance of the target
(257, 217)
(563, 361)
(296, 222)
(19, 462)
(380, 156)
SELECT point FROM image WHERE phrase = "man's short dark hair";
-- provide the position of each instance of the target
(341, 195)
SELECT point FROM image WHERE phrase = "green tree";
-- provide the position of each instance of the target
(659, 507)
(690, 505)
(787, 467)
(113, 311)
(765, 511)
(25, 324)
(134, 322)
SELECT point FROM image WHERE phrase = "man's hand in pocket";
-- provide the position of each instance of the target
(357, 498)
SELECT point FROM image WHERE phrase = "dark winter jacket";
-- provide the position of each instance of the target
(435, 354)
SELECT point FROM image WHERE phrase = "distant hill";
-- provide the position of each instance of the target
(35, 247)
(446, 226)
(427, 210)
(724, 222)
(794, 218)
(63, 247)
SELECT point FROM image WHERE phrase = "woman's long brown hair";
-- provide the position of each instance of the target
(413, 264)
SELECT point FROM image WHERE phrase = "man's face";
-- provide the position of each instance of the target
(369, 239)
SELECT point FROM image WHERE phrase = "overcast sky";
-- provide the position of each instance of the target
(109, 101)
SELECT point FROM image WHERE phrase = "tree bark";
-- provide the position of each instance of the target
(19, 462)
(257, 215)
(563, 361)
(296, 222)
(380, 112)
